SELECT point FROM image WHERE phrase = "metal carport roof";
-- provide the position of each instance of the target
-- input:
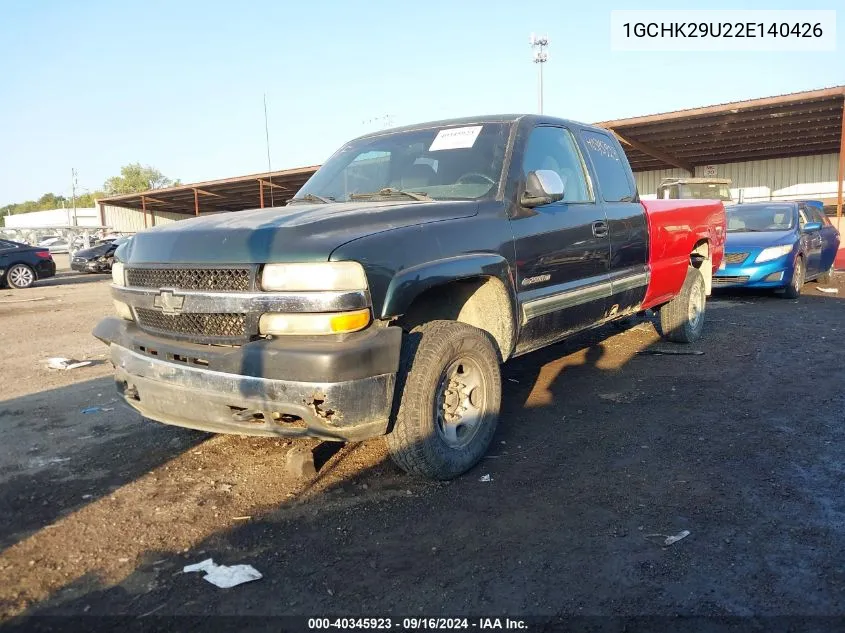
(795, 124)
(788, 125)
(229, 194)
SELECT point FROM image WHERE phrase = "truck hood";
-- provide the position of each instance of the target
(299, 233)
(739, 241)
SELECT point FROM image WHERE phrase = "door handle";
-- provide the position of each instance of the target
(600, 228)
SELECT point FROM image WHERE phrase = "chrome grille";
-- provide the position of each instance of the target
(725, 280)
(231, 279)
(228, 326)
(735, 258)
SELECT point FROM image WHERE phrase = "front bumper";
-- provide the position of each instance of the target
(88, 266)
(333, 390)
(773, 274)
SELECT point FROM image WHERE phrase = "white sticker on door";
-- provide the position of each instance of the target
(455, 138)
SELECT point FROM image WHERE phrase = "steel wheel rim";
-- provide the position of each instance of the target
(696, 307)
(21, 276)
(798, 277)
(461, 402)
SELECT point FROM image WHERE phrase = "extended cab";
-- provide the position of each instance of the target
(384, 297)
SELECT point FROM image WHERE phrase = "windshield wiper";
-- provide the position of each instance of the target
(389, 191)
(310, 197)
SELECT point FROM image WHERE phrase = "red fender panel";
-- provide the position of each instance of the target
(675, 227)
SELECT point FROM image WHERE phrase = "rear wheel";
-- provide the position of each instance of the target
(20, 276)
(793, 290)
(449, 394)
(682, 319)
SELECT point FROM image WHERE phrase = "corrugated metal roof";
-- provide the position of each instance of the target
(794, 124)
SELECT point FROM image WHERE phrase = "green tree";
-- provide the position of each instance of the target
(135, 178)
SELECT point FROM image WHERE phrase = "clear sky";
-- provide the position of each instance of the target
(178, 84)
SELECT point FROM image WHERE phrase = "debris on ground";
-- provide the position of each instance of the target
(513, 380)
(300, 462)
(670, 352)
(486, 478)
(66, 363)
(619, 398)
(671, 540)
(22, 300)
(96, 409)
(831, 291)
(224, 576)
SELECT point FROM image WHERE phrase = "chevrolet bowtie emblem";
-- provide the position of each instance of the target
(169, 302)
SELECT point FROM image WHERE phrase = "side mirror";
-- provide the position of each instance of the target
(543, 186)
(809, 227)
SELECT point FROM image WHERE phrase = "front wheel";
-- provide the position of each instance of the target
(682, 319)
(449, 394)
(793, 290)
(20, 276)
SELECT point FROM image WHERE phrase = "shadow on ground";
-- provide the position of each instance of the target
(69, 278)
(600, 456)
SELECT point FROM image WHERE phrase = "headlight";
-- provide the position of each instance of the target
(316, 276)
(117, 274)
(122, 310)
(305, 324)
(773, 252)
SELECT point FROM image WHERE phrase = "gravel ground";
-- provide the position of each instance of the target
(601, 454)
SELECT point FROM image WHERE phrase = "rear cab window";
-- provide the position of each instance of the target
(611, 167)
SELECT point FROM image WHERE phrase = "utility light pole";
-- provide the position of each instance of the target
(538, 45)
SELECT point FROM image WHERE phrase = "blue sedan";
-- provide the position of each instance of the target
(777, 245)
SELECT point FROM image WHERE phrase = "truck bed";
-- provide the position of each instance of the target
(675, 227)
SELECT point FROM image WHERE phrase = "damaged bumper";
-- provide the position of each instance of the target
(333, 390)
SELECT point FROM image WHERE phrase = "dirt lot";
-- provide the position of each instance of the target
(601, 454)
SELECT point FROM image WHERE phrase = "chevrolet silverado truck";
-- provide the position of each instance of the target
(383, 298)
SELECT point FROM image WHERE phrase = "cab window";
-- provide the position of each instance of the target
(554, 148)
(611, 169)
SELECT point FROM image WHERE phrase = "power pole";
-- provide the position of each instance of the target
(269, 164)
(538, 45)
(73, 196)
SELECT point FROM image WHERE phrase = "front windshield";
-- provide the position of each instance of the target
(770, 217)
(441, 163)
(705, 191)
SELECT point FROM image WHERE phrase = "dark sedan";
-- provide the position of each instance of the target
(97, 259)
(22, 265)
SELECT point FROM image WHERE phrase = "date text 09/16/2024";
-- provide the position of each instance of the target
(417, 623)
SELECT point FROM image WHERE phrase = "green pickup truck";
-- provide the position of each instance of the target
(382, 299)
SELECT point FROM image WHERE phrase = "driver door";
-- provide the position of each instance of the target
(563, 248)
(812, 241)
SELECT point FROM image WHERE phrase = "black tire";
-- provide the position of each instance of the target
(793, 290)
(20, 276)
(434, 355)
(682, 319)
(825, 277)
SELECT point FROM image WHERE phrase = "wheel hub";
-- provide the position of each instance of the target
(696, 306)
(20, 276)
(460, 402)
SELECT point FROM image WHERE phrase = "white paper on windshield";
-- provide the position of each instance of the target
(455, 138)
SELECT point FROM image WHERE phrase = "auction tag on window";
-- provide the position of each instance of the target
(455, 138)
